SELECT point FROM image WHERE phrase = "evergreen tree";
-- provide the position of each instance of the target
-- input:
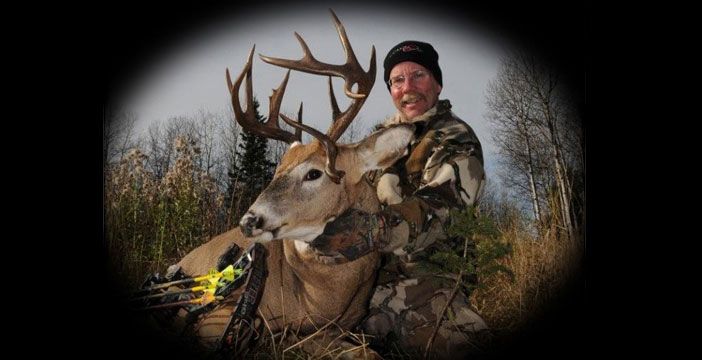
(250, 173)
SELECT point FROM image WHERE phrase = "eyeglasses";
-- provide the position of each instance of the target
(398, 81)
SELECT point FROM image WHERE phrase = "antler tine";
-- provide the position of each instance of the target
(298, 131)
(334, 104)
(274, 105)
(365, 84)
(328, 143)
(351, 60)
(351, 72)
(247, 120)
(241, 116)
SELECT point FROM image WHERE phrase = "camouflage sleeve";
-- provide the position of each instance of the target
(452, 178)
(353, 234)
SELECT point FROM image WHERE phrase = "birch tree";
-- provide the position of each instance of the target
(539, 136)
(509, 108)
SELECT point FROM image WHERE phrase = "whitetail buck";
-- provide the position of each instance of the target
(313, 184)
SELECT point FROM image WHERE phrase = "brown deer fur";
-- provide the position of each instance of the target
(300, 286)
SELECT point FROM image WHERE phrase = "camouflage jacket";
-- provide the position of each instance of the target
(443, 170)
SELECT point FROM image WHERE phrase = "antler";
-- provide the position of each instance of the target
(247, 120)
(351, 72)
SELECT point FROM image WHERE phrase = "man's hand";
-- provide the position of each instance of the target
(353, 234)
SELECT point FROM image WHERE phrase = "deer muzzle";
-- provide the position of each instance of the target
(251, 224)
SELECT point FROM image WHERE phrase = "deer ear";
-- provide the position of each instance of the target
(383, 148)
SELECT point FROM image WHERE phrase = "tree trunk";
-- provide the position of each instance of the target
(544, 86)
(561, 176)
(532, 182)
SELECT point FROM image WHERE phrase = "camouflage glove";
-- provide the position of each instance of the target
(353, 234)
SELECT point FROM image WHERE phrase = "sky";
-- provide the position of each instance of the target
(190, 74)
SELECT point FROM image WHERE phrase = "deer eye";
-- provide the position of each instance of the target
(313, 174)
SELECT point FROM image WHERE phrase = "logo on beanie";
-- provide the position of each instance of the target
(412, 47)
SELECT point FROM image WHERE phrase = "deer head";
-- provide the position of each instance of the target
(314, 183)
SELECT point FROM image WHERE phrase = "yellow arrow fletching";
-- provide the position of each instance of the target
(213, 275)
(228, 273)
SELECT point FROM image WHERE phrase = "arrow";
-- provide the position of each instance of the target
(211, 287)
(209, 284)
(228, 274)
(205, 299)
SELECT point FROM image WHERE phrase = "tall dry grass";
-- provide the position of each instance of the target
(543, 265)
(152, 223)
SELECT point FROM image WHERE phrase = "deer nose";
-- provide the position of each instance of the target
(249, 223)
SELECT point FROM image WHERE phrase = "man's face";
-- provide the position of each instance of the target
(417, 94)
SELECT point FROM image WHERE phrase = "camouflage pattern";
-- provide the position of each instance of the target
(419, 219)
(407, 300)
(404, 310)
(440, 139)
(353, 235)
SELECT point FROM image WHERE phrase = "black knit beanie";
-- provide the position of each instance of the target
(416, 51)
